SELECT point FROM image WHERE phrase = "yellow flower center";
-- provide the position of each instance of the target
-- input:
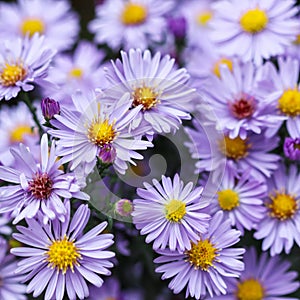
(228, 199)
(234, 148)
(297, 40)
(63, 255)
(283, 206)
(204, 17)
(133, 14)
(101, 133)
(175, 210)
(289, 102)
(254, 20)
(18, 133)
(250, 289)
(31, 26)
(76, 73)
(145, 96)
(10, 74)
(222, 61)
(202, 255)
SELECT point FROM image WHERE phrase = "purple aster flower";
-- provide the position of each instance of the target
(61, 257)
(177, 26)
(264, 278)
(10, 283)
(51, 18)
(239, 197)
(124, 207)
(170, 214)
(291, 148)
(23, 62)
(206, 267)
(37, 185)
(281, 224)
(254, 29)
(154, 83)
(134, 23)
(49, 107)
(85, 132)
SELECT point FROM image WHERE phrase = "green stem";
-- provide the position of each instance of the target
(32, 109)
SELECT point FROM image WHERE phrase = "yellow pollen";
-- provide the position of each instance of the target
(18, 133)
(202, 255)
(283, 206)
(63, 255)
(234, 148)
(133, 14)
(228, 199)
(145, 96)
(11, 74)
(76, 73)
(101, 133)
(175, 210)
(289, 102)
(31, 26)
(250, 289)
(222, 61)
(297, 40)
(204, 18)
(254, 21)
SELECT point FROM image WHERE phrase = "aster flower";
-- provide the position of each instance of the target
(239, 197)
(154, 83)
(170, 214)
(254, 30)
(37, 185)
(64, 257)
(206, 267)
(10, 287)
(264, 278)
(281, 224)
(93, 127)
(51, 18)
(23, 62)
(127, 24)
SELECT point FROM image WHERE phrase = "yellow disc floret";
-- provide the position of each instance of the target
(236, 148)
(204, 18)
(31, 26)
(254, 20)
(18, 133)
(222, 61)
(228, 199)
(250, 289)
(145, 96)
(289, 102)
(101, 133)
(283, 206)
(76, 73)
(175, 210)
(63, 255)
(10, 74)
(202, 255)
(134, 14)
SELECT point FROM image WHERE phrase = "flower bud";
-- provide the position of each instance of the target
(50, 108)
(124, 207)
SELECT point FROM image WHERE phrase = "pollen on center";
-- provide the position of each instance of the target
(236, 148)
(289, 102)
(228, 199)
(134, 14)
(101, 133)
(145, 96)
(175, 210)
(10, 74)
(254, 20)
(31, 26)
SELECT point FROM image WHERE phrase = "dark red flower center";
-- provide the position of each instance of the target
(41, 186)
(243, 108)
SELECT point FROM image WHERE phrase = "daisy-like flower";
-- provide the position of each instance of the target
(223, 153)
(264, 278)
(205, 268)
(61, 257)
(80, 71)
(239, 197)
(170, 214)
(281, 224)
(94, 129)
(154, 83)
(51, 18)
(254, 29)
(37, 185)
(10, 287)
(23, 62)
(238, 102)
(16, 126)
(133, 23)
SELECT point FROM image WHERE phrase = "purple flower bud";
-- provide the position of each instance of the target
(107, 154)
(124, 207)
(177, 26)
(50, 108)
(291, 148)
